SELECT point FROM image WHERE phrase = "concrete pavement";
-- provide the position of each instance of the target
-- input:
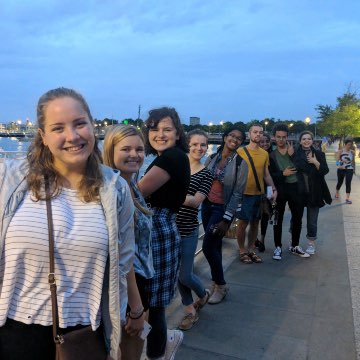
(292, 309)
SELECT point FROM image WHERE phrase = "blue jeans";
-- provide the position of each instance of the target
(312, 214)
(212, 245)
(187, 279)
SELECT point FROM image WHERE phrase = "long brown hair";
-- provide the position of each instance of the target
(41, 159)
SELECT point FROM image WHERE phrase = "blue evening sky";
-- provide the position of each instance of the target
(217, 59)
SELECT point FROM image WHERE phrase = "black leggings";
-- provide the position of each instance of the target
(348, 175)
(156, 340)
(264, 224)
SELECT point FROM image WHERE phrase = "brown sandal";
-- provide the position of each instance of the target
(198, 304)
(254, 258)
(244, 257)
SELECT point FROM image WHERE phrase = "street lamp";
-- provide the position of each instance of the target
(210, 125)
(221, 123)
(307, 121)
(266, 122)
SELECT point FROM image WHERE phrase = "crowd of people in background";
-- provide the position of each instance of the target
(124, 244)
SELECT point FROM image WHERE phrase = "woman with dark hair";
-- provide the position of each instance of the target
(230, 175)
(311, 167)
(345, 162)
(93, 234)
(188, 225)
(164, 187)
(265, 143)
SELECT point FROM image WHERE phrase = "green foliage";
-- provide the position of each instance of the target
(342, 121)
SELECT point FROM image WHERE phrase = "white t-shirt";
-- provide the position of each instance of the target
(81, 251)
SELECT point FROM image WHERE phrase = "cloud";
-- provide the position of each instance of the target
(239, 58)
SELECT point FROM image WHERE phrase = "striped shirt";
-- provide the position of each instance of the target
(81, 251)
(187, 217)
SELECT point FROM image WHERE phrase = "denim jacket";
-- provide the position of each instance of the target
(234, 183)
(143, 263)
(118, 208)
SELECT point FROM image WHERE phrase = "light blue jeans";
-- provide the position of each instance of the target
(187, 279)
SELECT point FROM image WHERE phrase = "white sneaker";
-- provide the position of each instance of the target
(277, 253)
(310, 249)
(297, 250)
(174, 339)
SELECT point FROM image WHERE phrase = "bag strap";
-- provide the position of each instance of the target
(253, 168)
(51, 276)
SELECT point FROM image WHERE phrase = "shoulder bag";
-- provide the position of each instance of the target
(266, 206)
(80, 344)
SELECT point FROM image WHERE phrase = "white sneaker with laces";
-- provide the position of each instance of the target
(297, 250)
(277, 253)
(174, 340)
(310, 249)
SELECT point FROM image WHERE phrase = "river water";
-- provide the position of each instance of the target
(22, 145)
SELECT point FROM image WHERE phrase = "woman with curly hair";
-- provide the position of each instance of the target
(164, 187)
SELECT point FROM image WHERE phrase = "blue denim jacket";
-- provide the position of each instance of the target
(143, 262)
(234, 183)
(118, 208)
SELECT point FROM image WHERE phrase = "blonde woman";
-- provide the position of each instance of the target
(124, 151)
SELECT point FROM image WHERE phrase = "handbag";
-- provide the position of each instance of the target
(79, 344)
(266, 205)
(231, 233)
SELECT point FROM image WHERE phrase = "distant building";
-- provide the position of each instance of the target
(194, 120)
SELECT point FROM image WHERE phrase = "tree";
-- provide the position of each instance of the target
(342, 121)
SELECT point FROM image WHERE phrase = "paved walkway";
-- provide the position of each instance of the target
(293, 309)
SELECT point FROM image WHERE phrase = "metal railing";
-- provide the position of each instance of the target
(12, 154)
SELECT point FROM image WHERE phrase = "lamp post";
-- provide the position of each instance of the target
(266, 122)
(307, 121)
(210, 125)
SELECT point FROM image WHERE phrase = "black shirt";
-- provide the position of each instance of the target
(173, 193)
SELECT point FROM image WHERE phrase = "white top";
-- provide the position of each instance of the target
(81, 251)
(346, 159)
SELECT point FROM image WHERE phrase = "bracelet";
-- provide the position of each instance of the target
(136, 315)
(139, 315)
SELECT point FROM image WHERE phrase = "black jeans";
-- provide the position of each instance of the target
(348, 175)
(211, 214)
(19, 341)
(289, 194)
(156, 340)
(264, 224)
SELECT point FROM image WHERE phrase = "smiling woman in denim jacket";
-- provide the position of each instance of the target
(124, 150)
(93, 234)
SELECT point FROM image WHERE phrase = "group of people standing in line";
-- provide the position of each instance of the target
(123, 244)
